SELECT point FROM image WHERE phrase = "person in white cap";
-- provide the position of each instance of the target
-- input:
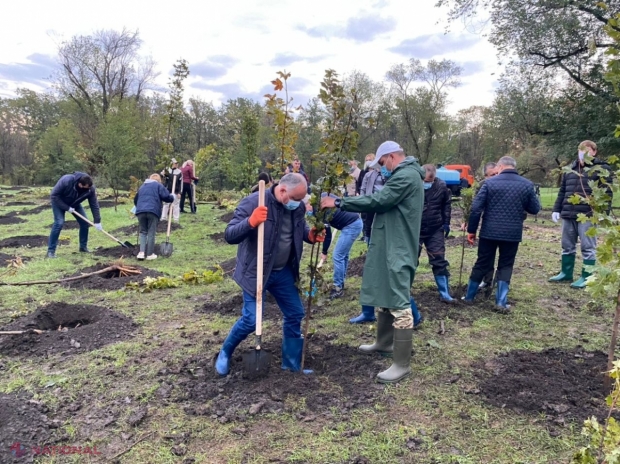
(392, 253)
(168, 174)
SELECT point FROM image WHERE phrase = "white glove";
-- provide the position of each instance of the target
(555, 217)
(71, 210)
(98, 226)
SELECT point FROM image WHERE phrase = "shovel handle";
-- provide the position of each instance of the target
(92, 224)
(174, 184)
(260, 250)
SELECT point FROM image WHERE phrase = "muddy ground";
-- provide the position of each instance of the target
(162, 227)
(12, 219)
(343, 379)
(564, 385)
(86, 328)
(218, 238)
(30, 241)
(228, 266)
(119, 252)
(356, 266)
(231, 306)
(69, 225)
(108, 281)
(227, 217)
(20, 203)
(37, 210)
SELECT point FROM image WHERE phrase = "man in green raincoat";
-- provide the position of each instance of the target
(392, 253)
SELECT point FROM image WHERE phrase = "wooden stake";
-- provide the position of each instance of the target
(121, 269)
(612, 344)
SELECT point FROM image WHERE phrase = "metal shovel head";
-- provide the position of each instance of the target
(127, 244)
(256, 363)
(165, 249)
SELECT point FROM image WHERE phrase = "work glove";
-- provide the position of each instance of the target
(446, 229)
(471, 238)
(555, 217)
(315, 236)
(259, 215)
(71, 210)
(98, 226)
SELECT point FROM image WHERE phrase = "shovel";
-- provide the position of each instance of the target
(256, 362)
(123, 244)
(165, 249)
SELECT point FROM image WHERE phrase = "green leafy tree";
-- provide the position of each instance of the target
(249, 145)
(175, 106)
(58, 152)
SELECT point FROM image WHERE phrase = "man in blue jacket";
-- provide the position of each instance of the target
(285, 231)
(504, 199)
(67, 194)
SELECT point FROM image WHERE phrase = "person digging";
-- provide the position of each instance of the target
(392, 254)
(285, 230)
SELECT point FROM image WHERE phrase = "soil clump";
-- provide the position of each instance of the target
(109, 281)
(119, 252)
(12, 219)
(162, 227)
(356, 266)
(227, 217)
(29, 241)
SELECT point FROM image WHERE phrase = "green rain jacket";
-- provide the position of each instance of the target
(393, 252)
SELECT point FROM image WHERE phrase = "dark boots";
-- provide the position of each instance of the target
(384, 343)
(568, 267)
(472, 289)
(401, 357)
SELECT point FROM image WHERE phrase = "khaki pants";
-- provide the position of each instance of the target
(403, 318)
(175, 210)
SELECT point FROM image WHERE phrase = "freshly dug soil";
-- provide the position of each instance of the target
(97, 327)
(119, 251)
(5, 259)
(563, 384)
(218, 238)
(69, 225)
(227, 217)
(36, 210)
(30, 241)
(343, 379)
(162, 226)
(20, 203)
(232, 307)
(109, 203)
(433, 309)
(109, 281)
(23, 425)
(356, 266)
(229, 266)
(13, 219)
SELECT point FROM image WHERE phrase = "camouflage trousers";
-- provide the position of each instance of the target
(403, 318)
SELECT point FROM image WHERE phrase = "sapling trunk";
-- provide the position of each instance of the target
(612, 344)
(462, 261)
(313, 264)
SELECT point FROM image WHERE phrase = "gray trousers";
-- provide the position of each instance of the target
(148, 227)
(571, 230)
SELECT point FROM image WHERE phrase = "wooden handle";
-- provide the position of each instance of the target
(260, 250)
(92, 224)
(174, 184)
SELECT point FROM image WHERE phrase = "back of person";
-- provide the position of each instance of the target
(150, 196)
(435, 199)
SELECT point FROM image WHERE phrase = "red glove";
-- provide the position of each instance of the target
(259, 215)
(471, 238)
(315, 236)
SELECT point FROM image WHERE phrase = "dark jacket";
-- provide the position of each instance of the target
(168, 178)
(573, 184)
(437, 208)
(360, 179)
(339, 220)
(239, 232)
(149, 197)
(504, 199)
(188, 174)
(66, 194)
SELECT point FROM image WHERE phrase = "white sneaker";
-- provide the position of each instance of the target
(151, 257)
(140, 255)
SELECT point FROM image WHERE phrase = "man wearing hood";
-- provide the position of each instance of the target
(392, 253)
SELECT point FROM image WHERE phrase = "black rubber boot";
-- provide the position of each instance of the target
(401, 358)
(384, 343)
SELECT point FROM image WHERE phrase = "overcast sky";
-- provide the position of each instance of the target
(235, 47)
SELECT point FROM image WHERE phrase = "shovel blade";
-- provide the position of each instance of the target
(127, 244)
(165, 249)
(256, 364)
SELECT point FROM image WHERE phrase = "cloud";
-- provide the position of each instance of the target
(431, 45)
(213, 67)
(288, 58)
(37, 71)
(360, 29)
(233, 90)
(471, 67)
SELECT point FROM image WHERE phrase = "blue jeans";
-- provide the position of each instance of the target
(348, 235)
(281, 284)
(59, 221)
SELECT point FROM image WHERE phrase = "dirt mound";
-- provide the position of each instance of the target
(68, 225)
(23, 426)
(162, 227)
(229, 266)
(343, 379)
(12, 219)
(456, 240)
(112, 280)
(232, 307)
(90, 327)
(30, 241)
(20, 203)
(433, 309)
(5, 259)
(109, 203)
(119, 252)
(218, 238)
(562, 384)
(356, 266)
(36, 210)
(227, 217)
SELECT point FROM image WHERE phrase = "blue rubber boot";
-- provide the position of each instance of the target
(291, 354)
(472, 289)
(368, 315)
(501, 296)
(417, 317)
(444, 288)
(222, 363)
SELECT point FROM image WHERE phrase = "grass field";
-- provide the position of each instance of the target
(441, 414)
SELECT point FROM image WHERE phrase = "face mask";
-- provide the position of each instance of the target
(351, 169)
(385, 173)
(366, 164)
(292, 205)
(581, 155)
(427, 185)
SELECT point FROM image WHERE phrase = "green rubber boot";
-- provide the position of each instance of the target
(581, 282)
(384, 344)
(568, 267)
(401, 358)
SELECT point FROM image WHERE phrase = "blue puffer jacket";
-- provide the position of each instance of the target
(149, 197)
(239, 232)
(66, 194)
(504, 199)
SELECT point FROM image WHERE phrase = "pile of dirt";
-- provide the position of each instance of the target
(218, 238)
(356, 266)
(118, 252)
(82, 328)
(108, 203)
(68, 225)
(6, 259)
(36, 210)
(563, 384)
(227, 217)
(456, 240)
(229, 266)
(162, 227)
(30, 241)
(232, 307)
(20, 203)
(110, 280)
(10, 219)
(433, 309)
(343, 379)
(24, 425)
